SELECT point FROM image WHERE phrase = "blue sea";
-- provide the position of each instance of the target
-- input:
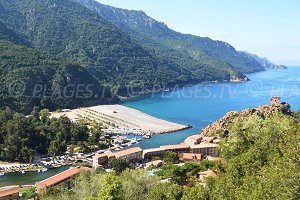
(202, 104)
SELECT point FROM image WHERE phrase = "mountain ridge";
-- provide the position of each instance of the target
(138, 22)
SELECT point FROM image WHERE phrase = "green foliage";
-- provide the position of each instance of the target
(29, 194)
(111, 189)
(262, 160)
(29, 80)
(206, 58)
(118, 164)
(171, 157)
(22, 137)
(195, 193)
(165, 191)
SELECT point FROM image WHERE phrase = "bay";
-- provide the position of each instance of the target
(202, 104)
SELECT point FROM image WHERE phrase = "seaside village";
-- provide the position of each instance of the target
(194, 149)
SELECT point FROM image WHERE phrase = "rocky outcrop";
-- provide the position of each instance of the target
(222, 125)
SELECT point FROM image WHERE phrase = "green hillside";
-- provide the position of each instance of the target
(71, 31)
(160, 39)
(31, 79)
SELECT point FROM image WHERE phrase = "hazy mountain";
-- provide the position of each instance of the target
(71, 31)
(265, 62)
(157, 37)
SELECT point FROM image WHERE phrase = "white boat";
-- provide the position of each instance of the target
(23, 172)
(2, 174)
(44, 169)
(117, 149)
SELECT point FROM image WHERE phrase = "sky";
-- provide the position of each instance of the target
(269, 28)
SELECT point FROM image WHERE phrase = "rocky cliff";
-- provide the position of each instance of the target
(222, 125)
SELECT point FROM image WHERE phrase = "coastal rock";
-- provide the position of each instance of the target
(222, 125)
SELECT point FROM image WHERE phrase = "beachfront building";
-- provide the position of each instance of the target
(102, 159)
(131, 155)
(9, 193)
(205, 149)
(177, 148)
(189, 157)
(62, 177)
(148, 154)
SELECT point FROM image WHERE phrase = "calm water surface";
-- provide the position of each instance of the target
(202, 104)
(28, 178)
(199, 106)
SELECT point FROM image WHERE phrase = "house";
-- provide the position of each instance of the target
(149, 153)
(155, 164)
(208, 139)
(189, 157)
(131, 155)
(205, 149)
(194, 139)
(119, 140)
(9, 193)
(177, 148)
(102, 159)
(59, 178)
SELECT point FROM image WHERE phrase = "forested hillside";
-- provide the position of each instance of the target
(69, 30)
(30, 79)
(160, 39)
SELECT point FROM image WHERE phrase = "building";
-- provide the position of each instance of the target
(131, 155)
(205, 149)
(189, 157)
(194, 139)
(102, 159)
(155, 152)
(59, 178)
(9, 193)
(155, 164)
(177, 148)
(275, 101)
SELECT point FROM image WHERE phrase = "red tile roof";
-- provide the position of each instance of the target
(189, 156)
(8, 192)
(128, 152)
(60, 177)
(176, 146)
(108, 154)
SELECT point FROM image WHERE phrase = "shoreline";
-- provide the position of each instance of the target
(120, 119)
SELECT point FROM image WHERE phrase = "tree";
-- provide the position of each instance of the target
(111, 189)
(171, 157)
(118, 164)
(194, 193)
(165, 191)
